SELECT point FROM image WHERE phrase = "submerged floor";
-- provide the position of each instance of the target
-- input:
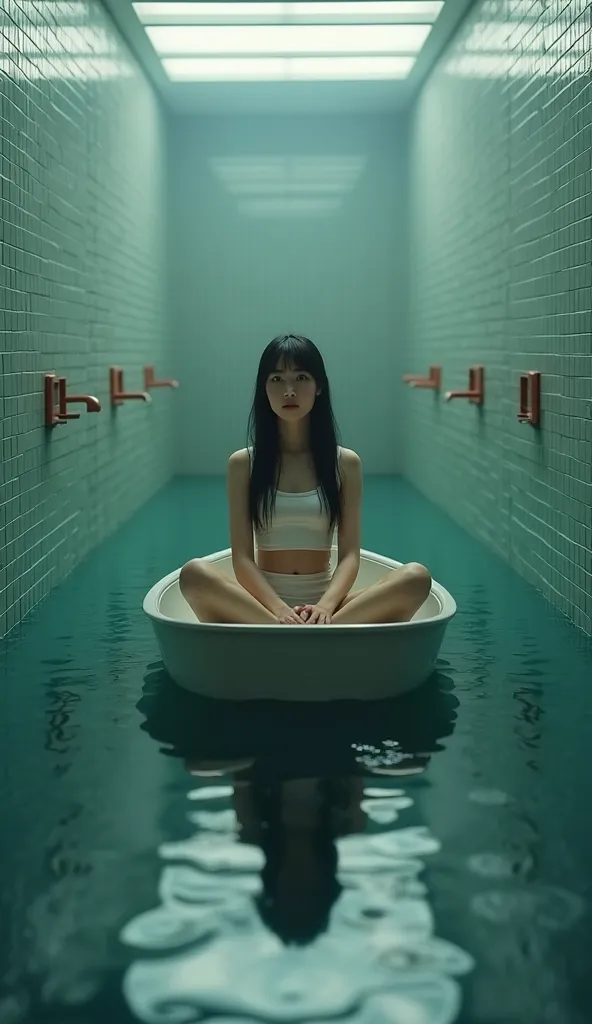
(426, 860)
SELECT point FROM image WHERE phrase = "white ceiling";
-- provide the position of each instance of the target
(217, 98)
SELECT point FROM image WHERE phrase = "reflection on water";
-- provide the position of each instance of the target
(324, 918)
(297, 867)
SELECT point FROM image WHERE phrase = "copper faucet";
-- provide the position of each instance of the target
(150, 380)
(61, 415)
(433, 382)
(530, 398)
(476, 390)
(118, 395)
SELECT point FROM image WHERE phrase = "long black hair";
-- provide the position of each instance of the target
(301, 925)
(291, 351)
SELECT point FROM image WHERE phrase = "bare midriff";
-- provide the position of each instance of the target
(293, 562)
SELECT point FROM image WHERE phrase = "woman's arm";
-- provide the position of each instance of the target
(246, 570)
(348, 539)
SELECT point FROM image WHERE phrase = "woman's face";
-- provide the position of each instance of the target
(291, 393)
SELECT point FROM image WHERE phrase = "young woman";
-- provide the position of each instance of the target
(287, 494)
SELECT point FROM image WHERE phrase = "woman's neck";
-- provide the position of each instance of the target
(305, 450)
(294, 439)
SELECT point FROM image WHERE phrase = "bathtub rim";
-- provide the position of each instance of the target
(448, 607)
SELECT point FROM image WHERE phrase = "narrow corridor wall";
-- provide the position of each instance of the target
(82, 287)
(501, 275)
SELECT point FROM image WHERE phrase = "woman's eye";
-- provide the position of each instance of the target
(277, 380)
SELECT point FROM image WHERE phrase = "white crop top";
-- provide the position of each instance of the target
(299, 522)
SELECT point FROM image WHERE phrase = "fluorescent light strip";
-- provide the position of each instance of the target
(287, 39)
(270, 176)
(411, 11)
(286, 69)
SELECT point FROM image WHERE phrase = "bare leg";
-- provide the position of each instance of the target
(214, 597)
(395, 598)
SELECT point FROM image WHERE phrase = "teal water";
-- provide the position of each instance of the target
(412, 862)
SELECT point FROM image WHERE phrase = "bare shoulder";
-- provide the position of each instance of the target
(350, 462)
(239, 461)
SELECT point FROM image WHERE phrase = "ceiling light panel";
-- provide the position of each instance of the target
(283, 40)
(286, 69)
(351, 40)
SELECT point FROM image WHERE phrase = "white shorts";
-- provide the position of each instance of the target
(299, 588)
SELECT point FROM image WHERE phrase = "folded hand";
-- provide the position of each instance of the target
(289, 617)
(313, 614)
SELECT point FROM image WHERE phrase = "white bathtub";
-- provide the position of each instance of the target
(241, 662)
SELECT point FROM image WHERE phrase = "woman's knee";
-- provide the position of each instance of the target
(195, 574)
(420, 576)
